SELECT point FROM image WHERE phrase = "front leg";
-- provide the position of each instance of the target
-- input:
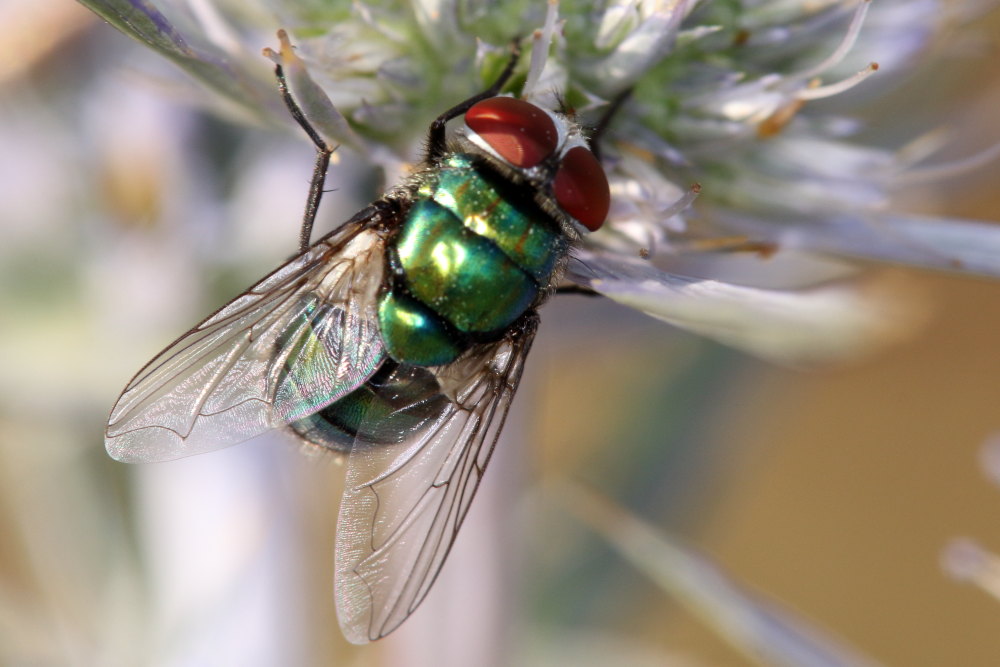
(436, 144)
(323, 149)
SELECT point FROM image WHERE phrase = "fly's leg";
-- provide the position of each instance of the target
(575, 289)
(436, 145)
(323, 153)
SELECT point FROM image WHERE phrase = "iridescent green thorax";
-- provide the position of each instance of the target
(471, 257)
(486, 208)
(463, 277)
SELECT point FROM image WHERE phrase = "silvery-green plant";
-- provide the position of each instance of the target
(721, 99)
(725, 97)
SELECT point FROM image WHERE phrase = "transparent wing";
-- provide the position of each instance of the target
(301, 338)
(404, 501)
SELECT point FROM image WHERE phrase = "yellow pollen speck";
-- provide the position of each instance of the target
(448, 256)
(477, 224)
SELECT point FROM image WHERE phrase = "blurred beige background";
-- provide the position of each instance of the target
(833, 491)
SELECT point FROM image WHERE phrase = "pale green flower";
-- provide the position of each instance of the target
(724, 95)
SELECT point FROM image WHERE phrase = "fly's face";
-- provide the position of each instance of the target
(397, 339)
(548, 151)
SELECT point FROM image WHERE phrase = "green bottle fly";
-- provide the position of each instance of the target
(470, 258)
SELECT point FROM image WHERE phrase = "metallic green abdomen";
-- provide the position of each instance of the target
(387, 409)
(470, 258)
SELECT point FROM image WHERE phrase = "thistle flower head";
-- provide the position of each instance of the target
(744, 189)
(719, 102)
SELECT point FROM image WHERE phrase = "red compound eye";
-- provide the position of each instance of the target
(518, 131)
(581, 188)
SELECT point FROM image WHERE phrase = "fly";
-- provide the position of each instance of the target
(398, 339)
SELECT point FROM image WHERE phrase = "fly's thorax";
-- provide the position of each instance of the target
(473, 254)
(504, 212)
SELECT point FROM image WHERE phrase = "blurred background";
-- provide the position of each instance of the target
(129, 212)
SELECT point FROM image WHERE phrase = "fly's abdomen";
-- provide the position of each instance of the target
(470, 259)
(387, 409)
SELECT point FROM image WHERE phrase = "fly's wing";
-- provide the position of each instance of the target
(301, 338)
(404, 501)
